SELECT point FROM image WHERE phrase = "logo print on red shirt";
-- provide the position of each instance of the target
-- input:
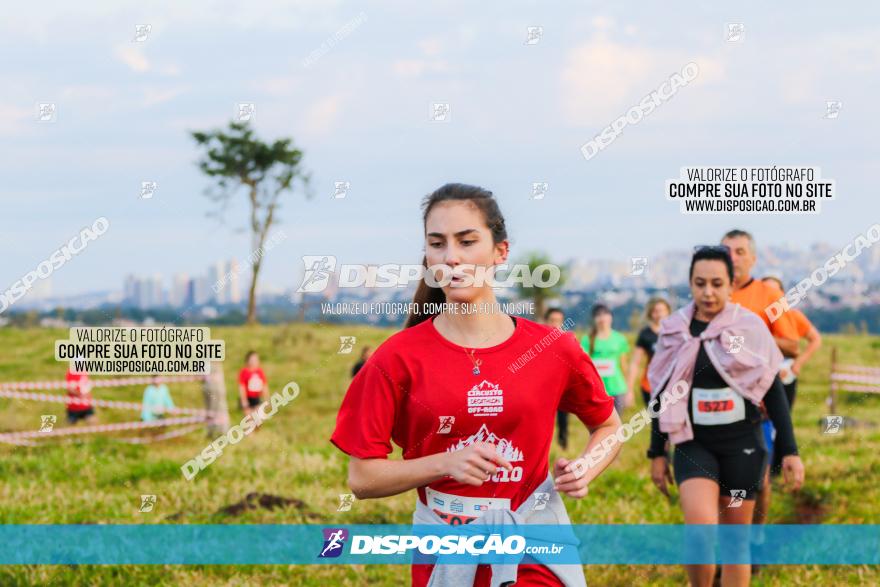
(255, 383)
(485, 399)
(503, 447)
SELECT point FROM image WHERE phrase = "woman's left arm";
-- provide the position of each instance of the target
(573, 477)
(814, 341)
(780, 414)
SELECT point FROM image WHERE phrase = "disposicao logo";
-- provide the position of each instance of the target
(334, 542)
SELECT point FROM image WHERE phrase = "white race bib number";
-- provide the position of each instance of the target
(605, 367)
(713, 407)
(457, 509)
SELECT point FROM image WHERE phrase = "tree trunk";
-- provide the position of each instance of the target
(539, 308)
(252, 294)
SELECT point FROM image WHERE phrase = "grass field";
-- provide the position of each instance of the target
(97, 480)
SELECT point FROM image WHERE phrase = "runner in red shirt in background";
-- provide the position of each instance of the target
(252, 383)
(472, 408)
(79, 389)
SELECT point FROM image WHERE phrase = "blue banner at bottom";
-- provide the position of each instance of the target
(405, 544)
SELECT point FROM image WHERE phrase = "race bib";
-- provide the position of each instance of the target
(605, 367)
(786, 375)
(456, 509)
(255, 383)
(713, 407)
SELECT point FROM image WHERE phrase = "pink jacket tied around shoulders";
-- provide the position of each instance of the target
(738, 344)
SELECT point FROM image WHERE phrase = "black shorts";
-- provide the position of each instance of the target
(74, 417)
(736, 464)
(646, 397)
(254, 401)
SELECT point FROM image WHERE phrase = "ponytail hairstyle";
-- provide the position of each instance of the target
(486, 203)
(599, 308)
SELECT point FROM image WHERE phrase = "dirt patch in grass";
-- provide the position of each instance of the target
(267, 501)
(809, 508)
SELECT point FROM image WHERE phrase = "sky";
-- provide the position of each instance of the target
(359, 109)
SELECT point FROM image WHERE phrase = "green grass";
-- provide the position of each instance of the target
(97, 480)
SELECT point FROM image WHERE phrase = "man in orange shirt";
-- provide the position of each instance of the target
(791, 368)
(805, 329)
(757, 296)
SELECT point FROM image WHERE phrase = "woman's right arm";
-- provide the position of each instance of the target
(474, 465)
(638, 356)
(661, 475)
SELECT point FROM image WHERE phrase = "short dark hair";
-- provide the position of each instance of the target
(600, 308)
(248, 356)
(712, 254)
(551, 311)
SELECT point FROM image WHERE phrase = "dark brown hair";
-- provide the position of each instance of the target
(486, 203)
(599, 308)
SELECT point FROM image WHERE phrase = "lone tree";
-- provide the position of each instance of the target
(540, 295)
(238, 161)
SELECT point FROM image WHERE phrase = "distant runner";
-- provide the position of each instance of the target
(655, 311)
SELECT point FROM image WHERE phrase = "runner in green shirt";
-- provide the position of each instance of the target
(608, 348)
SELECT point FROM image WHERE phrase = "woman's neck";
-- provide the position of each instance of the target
(703, 317)
(480, 329)
(603, 332)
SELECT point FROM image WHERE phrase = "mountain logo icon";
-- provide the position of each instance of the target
(503, 447)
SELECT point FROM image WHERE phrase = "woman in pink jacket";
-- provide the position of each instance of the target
(725, 358)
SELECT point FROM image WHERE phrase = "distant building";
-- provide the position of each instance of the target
(233, 287)
(179, 294)
(144, 292)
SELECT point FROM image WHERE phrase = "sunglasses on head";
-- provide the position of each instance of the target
(712, 249)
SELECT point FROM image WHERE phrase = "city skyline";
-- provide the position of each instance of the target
(667, 269)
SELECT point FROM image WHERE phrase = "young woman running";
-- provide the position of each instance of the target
(655, 312)
(252, 383)
(729, 361)
(472, 409)
(608, 348)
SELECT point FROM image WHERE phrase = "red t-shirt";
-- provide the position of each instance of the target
(76, 383)
(417, 379)
(254, 380)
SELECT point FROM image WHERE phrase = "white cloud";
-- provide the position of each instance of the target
(416, 67)
(430, 61)
(15, 119)
(602, 23)
(89, 92)
(431, 46)
(133, 57)
(154, 96)
(279, 85)
(322, 116)
(826, 67)
(602, 78)
(53, 19)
